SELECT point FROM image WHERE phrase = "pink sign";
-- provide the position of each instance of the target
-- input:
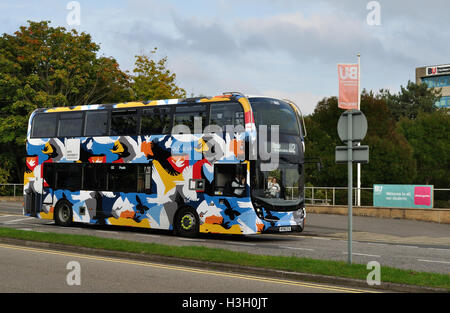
(422, 196)
(348, 86)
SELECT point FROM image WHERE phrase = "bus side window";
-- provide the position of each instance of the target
(96, 123)
(49, 174)
(184, 115)
(223, 114)
(155, 121)
(68, 176)
(44, 126)
(70, 124)
(124, 123)
(122, 177)
(230, 179)
(144, 178)
(95, 177)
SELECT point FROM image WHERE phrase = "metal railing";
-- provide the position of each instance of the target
(335, 195)
(338, 196)
(11, 190)
(313, 195)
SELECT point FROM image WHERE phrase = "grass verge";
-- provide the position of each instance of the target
(294, 264)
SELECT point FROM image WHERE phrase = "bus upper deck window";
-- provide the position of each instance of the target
(44, 126)
(156, 121)
(96, 123)
(224, 114)
(184, 115)
(124, 122)
(70, 124)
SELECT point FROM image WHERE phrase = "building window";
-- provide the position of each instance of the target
(437, 81)
(444, 102)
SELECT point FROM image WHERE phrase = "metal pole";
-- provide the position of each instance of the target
(358, 165)
(350, 186)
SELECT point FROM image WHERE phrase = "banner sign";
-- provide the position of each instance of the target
(403, 196)
(438, 70)
(348, 86)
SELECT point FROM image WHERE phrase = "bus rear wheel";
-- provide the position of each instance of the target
(63, 213)
(186, 222)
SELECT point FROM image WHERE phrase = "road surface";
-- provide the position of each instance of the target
(413, 245)
(26, 269)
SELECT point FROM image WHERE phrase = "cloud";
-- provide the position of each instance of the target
(283, 48)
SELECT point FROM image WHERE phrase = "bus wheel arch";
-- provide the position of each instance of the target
(63, 214)
(186, 222)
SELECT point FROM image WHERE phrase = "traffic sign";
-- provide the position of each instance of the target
(352, 128)
(359, 126)
(360, 154)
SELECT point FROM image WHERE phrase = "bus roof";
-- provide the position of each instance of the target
(136, 104)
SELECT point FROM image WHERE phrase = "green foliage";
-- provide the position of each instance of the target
(153, 80)
(428, 136)
(411, 100)
(43, 66)
(391, 157)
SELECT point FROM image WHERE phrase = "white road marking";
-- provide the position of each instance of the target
(439, 249)
(363, 254)
(241, 243)
(433, 261)
(320, 238)
(188, 239)
(295, 248)
(106, 231)
(148, 235)
(20, 219)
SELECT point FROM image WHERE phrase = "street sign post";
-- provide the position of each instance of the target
(352, 128)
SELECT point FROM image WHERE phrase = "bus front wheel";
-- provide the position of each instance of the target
(186, 222)
(63, 213)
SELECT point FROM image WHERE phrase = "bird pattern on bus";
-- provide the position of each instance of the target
(175, 159)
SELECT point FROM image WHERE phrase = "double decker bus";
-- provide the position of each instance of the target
(157, 164)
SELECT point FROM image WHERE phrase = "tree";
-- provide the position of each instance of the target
(391, 157)
(43, 66)
(153, 80)
(428, 136)
(411, 100)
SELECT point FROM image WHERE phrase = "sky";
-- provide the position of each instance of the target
(281, 48)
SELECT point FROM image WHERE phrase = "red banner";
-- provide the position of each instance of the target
(348, 86)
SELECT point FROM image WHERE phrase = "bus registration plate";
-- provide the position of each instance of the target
(285, 228)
